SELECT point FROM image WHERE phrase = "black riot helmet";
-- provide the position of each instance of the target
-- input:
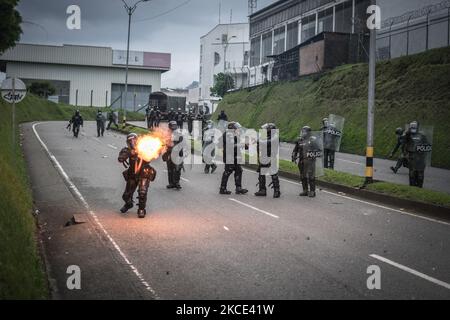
(414, 127)
(173, 125)
(399, 131)
(132, 140)
(77, 113)
(269, 127)
(234, 126)
(306, 132)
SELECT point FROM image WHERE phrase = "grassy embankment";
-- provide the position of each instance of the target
(21, 271)
(408, 88)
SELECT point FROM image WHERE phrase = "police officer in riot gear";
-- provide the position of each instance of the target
(330, 137)
(157, 118)
(190, 121)
(222, 116)
(401, 144)
(265, 151)
(417, 146)
(100, 119)
(174, 166)
(138, 175)
(151, 118)
(232, 161)
(306, 151)
(179, 118)
(76, 122)
(208, 139)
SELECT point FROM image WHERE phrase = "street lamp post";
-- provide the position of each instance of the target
(130, 10)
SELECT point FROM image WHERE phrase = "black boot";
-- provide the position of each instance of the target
(305, 188)
(240, 190)
(207, 169)
(276, 186)
(312, 188)
(262, 186)
(394, 170)
(142, 213)
(224, 182)
(126, 207)
(224, 191)
(213, 168)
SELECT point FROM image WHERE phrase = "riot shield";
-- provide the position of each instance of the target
(268, 152)
(317, 151)
(210, 142)
(426, 146)
(332, 135)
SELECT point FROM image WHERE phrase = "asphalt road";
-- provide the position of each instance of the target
(197, 244)
(435, 178)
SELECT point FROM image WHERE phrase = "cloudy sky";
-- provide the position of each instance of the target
(173, 26)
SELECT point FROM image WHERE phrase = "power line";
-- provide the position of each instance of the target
(165, 12)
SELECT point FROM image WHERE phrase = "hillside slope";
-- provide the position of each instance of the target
(408, 88)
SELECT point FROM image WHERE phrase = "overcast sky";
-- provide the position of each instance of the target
(104, 23)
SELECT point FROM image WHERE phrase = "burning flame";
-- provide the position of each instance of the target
(150, 147)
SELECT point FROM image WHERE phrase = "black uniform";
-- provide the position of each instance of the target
(307, 150)
(231, 139)
(151, 119)
(207, 141)
(138, 176)
(157, 118)
(100, 119)
(190, 121)
(76, 122)
(179, 118)
(222, 116)
(174, 169)
(417, 146)
(112, 120)
(403, 159)
(264, 151)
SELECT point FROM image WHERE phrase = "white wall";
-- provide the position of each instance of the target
(234, 53)
(85, 79)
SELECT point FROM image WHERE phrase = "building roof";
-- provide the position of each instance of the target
(269, 7)
(86, 56)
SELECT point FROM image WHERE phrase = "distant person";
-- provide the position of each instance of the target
(112, 118)
(401, 144)
(173, 159)
(151, 119)
(222, 116)
(76, 122)
(157, 118)
(100, 119)
(190, 121)
(179, 118)
(418, 148)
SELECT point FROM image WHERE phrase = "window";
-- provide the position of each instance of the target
(292, 35)
(255, 51)
(344, 18)
(325, 21)
(266, 46)
(278, 40)
(308, 27)
(361, 15)
(216, 58)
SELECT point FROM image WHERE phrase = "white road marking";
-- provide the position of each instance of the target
(254, 208)
(113, 147)
(358, 163)
(226, 228)
(369, 203)
(78, 194)
(412, 271)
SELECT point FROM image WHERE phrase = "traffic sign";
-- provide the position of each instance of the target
(13, 90)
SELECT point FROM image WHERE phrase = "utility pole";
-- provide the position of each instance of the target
(371, 105)
(130, 11)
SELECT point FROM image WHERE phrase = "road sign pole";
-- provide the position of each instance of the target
(14, 114)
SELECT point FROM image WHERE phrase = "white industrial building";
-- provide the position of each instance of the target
(87, 75)
(223, 49)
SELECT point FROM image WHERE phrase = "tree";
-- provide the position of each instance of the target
(42, 89)
(10, 21)
(222, 83)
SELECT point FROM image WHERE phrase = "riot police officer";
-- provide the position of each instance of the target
(232, 161)
(76, 122)
(179, 118)
(190, 121)
(331, 137)
(306, 151)
(151, 119)
(100, 119)
(173, 159)
(417, 146)
(138, 175)
(265, 151)
(208, 138)
(401, 144)
(157, 118)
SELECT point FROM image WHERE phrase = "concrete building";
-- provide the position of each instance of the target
(409, 26)
(223, 49)
(86, 75)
